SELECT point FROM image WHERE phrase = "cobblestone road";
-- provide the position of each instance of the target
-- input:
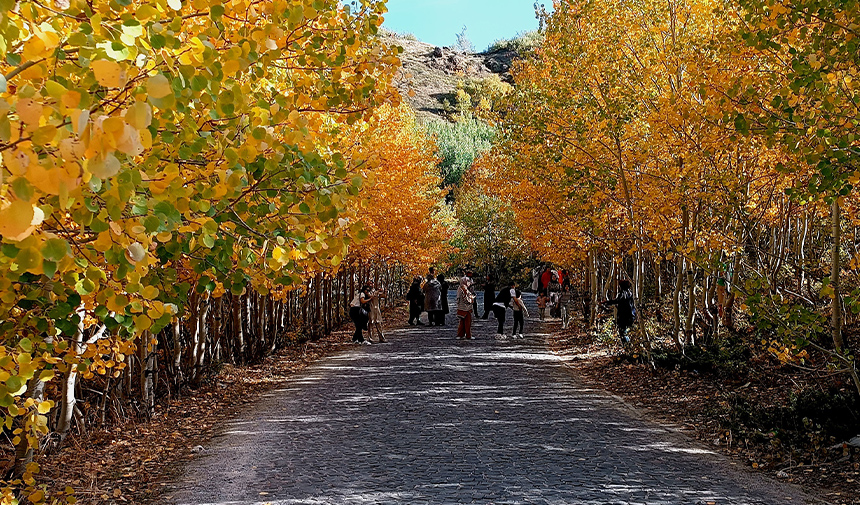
(428, 419)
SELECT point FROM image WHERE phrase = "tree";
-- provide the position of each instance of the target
(157, 156)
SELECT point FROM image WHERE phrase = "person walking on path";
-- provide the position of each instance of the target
(500, 307)
(565, 304)
(432, 299)
(489, 297)
(519, 307)
(376, 296)
(444, 287)
(416, 301)
(359, 314)
(626, 310)
(542, 301)
(465, 298)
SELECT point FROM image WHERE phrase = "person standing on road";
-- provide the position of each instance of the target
(359, 314)
(471, 276)
(626, 313)
(416, 301)
(489, 297)
(432, 299)
(519, 307)
(545, 279)
(500, 307)
(376, 296)
(444, 287)
(465, 298)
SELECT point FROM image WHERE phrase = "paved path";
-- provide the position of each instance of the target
(427, 419)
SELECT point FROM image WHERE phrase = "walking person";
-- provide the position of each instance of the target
(519, 307)
(444, 287)
(359, 314)
(565, 303)
(465, 299)
(500, 307)
(416, 301)
(376, 295)
(625, 315)
(489, 297)
(432, 299)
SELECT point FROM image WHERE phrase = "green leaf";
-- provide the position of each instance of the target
(55, 249)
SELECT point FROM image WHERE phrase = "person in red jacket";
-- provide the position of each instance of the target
(545, 279)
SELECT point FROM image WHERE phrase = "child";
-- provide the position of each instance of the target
(542, 300)
(519, 309)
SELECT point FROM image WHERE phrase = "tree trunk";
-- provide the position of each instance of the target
(835, 267)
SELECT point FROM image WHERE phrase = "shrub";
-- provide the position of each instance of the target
(460, 144)
(385, 32)
(523, 43)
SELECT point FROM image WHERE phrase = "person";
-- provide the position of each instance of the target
(376, 315)
(519, 307)
(554, 291)
(565, 280)
(565, 305)
(432, 299)
(444, 287)
(545, 279)
(626, 313)
(500, 306)
(358, 313)
(489, 297)
(542, 301)
(471, 276)
(465, 298)
(416, 301)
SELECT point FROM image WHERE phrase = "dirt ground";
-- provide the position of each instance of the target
(697, 403)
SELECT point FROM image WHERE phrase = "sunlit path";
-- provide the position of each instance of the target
(430, 419)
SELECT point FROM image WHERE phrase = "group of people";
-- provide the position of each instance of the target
(366, 313)
(430, 295)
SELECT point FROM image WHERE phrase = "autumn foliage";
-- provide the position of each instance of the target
(706, 151)
(160, 156)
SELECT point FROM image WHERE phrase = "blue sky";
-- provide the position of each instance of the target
(437, 22)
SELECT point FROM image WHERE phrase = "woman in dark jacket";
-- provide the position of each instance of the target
(445, 309)
(416, 301)
(432, 299)
(626, 315)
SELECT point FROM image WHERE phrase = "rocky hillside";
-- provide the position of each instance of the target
(435, 72)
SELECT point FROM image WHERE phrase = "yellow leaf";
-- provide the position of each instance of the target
(104, 167)
(108, 73)
(19, 219)
(45, 407)
(29, 111)
(230, 68)
(158, 86)
(139, 115)
(149, 292)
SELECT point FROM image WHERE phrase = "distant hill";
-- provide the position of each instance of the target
(437, 70)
